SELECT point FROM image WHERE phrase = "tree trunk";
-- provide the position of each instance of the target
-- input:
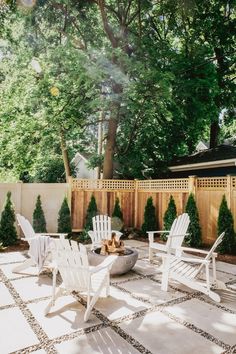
(65, 156)
(215, 128)
(214, 132)
(111, 141)
(100, 141)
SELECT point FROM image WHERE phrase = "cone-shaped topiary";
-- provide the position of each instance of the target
(194, 239)
(225, 224)
(91, 212)
(169, 217)
(8, 234)
(39, 222)
(64, 219)
(117, 210)
(150, 222)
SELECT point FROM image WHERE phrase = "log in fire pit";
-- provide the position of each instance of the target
(126, 260)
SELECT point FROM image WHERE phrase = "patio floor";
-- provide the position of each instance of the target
(137, 317)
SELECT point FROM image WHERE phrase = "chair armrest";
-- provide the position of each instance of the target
(194, 260)
(186, 234)
(186, 259)
(158, 232)
(91, 234)
(30, 238)
(196, 250)
(106, 264)
(51, 234)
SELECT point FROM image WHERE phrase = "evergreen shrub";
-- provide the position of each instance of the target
(225, 224)
(91, 212)
(169, 217)
(150, 222)
(117, 210)
(64, 218)
(39, 222)
(8, 234)
(194, 239)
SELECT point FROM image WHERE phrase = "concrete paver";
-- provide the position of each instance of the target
(137, 317)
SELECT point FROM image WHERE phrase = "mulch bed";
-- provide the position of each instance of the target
(228, 258)
(23, 246)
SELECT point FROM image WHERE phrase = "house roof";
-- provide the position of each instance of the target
(221, 156)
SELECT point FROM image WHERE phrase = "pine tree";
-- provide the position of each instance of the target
(39, 222)
(194, 239)
(169, 217)
(8, 234)
(150, 223)
(117, 210)
(91, 212)
(64, 219)
(225, 224)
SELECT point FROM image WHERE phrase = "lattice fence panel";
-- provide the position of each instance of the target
(102, 184)
(164, 184)
(212, 183)
(233, 182)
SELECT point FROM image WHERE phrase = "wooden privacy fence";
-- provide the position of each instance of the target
(133, 195)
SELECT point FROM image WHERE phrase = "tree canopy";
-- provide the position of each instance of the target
(156, 76)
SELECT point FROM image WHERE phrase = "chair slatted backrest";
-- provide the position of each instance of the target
(213, 248)
(102, 227)
(72, 262)
(25, 225)
(179, 227)
(191, 271)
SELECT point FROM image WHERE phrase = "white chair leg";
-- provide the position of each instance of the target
(165, 274)
(94, 299)
(52, 301)
(26, 264)
(108, 285)
(150, 254)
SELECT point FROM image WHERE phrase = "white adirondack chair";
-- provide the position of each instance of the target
(193, 272)
(102, 230)
(178, 229)
(39, 246)
(77, 275)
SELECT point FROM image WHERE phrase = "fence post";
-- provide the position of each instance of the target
(69, 192)
(229, 192)
(19, 185)
(135, 203)
(192, 184)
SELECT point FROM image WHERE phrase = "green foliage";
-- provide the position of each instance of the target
(150, 222)
(64, 218)
(91, 212)
(194, 239)
(168, 97)
(39, 222)
(117, 210)
(169, 217)
(225, 223)
(8, 235)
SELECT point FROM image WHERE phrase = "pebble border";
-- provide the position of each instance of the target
(47, 344)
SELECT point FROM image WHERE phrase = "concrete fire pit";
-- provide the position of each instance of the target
(123, 263)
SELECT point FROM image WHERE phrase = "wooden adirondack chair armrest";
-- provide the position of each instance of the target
(195, 250)
(51, 234)
(91, 234)
(29, 238)
(104, 265)
(194, 260)
(151, 234)
(158, 232)
(186, 234)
